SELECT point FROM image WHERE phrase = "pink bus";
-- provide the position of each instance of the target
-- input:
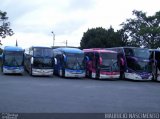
(101, 64)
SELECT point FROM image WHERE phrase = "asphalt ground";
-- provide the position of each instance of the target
(27, 94)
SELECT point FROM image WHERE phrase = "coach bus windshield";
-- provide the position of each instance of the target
(42, 62)
(43, 52)
(13, 59)
(137, 52)
(141, 53)
(140, 66)
(75, 61)
(109, 60)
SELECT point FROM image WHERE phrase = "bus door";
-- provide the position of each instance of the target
(96, 65)
(61, 64)
(89, 64)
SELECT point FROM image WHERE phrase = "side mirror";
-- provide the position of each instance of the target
(86, 59)
(32, 60)
(100, 60)
(65, 58)
(55, 61)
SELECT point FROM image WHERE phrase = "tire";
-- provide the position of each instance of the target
(122, 77)
(2, 69)
(86, 75)
(63, 73)
(97, 74)
(154, 74)
(90, 74)
(154, 77)
(30, 71)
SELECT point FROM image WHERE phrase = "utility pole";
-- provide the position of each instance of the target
(16, 43)
(66, 43)
(53, 37)
(0, 42)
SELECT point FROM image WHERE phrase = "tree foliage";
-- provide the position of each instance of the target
(5, 29)
(143, 30)
(102, 38)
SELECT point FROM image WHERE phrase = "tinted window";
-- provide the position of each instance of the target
(75, 61)
(141, 53)
(43, 52)
(13, 58)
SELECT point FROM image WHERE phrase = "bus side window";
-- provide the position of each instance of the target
(128, 52)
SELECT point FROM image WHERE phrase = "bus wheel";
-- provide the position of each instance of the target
(30, 72)
(97, 74)
(154, 77)
(2, 69)
(122, 76)
(86, 75)
(60, 72)
(63, 73)
(90, 74)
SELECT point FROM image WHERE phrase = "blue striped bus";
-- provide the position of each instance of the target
(12, 60)
(69, 62)
(39, 61)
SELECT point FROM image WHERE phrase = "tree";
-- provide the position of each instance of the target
(4, 25)
(102, 38)
(143, 30)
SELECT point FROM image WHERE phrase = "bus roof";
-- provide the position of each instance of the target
(70, 50)
(13, 48)
(125, 47)
(99, 50)
(55, 47)
(41, 47)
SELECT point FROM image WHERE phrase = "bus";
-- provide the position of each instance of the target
(39, 61)
(12, 60)
(101, 64)
(137, 63)
(69, 62)
(155, 57)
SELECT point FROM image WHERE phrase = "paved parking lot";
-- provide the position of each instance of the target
(53, 94)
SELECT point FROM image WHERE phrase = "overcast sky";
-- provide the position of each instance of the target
(33, 20)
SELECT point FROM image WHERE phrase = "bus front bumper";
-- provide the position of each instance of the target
(138, 77)
(42, 72)
(106, 75)
(13, 70)
(77, 74)
(102, 76)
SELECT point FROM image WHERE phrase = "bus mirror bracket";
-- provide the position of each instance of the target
(55, 61)
(100, 60)
(87, 58)
(65, 59)
(32, 60)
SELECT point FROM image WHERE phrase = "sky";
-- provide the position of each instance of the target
(33, 21)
